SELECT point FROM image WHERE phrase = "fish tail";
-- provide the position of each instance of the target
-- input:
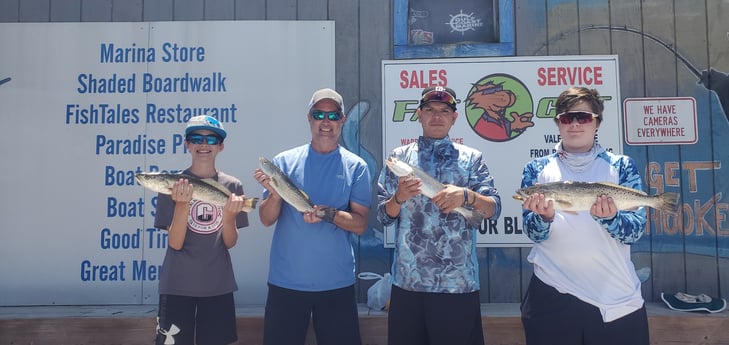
(474, 217)
(250, 204)
(670, 202)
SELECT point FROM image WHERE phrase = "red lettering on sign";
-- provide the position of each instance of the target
(423, 78)
(555, 76)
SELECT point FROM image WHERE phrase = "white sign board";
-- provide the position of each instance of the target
(87, 105)
(506, 110)
(660, 121)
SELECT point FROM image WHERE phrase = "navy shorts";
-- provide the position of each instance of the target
(550, 317)
(210, 319)
(334, 312)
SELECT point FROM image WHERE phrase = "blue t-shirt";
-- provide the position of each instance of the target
(317, 257)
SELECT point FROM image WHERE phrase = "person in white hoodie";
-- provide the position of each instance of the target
(584, 289)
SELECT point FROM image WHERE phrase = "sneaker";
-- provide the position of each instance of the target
(684, 302)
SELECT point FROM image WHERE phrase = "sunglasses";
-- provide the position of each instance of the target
(330, 115)
(582, 117)
(198, 139)
(439, 96)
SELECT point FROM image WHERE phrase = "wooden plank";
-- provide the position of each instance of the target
(593, 40)
(364, 105)
(669, 274)
(250, 9)
(504, 274)
(375, 45)
(34, 10)
(219, 10)
(158, 10)
(717, 43)
(701, 244)
(313, 10)
(9, 11)
(346, 16)
(66, 11)
(626, 19)
(666, 327)
(96, 11)
(531, 27)
(562, 28)
(281, 9)
(188, 10)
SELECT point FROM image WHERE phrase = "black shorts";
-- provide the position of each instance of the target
(550, 317)
(334, 312)
(417, 318)
(209, 319)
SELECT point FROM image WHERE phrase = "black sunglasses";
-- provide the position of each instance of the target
(330, 115)
(582, 117)
(198, 139)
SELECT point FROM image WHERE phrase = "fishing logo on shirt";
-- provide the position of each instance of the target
(205, 218)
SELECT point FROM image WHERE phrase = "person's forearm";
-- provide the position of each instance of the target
(269, 209)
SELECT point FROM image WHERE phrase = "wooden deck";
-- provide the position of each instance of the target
(135, 324)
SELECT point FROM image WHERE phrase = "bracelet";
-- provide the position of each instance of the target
(474, 200)
(465, 196)
(394, 197)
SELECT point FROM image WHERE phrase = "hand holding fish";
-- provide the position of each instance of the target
(265, 181)
(407, 187)
(235, 204)
(449, 198)
(320, 213)
(538, 204)
(604, 207)
(182, 191)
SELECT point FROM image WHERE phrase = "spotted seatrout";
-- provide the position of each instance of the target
(579, 196)
(294, 196)
(207, 190)
(431, 186)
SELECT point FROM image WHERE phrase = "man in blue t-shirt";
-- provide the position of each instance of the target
(312, 268)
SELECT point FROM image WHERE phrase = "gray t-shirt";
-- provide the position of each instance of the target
(202, 268)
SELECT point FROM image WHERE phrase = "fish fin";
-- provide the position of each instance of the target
(474, 217)
(326, 214)
(250, 204)
(304, 193)
(670, 202)
(563, 204)
(571, 212)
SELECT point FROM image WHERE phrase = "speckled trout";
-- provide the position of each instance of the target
(207, 190)
(579, 196)
(286, 188)
(431, 186)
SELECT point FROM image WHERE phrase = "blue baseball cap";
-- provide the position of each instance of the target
(205, 122)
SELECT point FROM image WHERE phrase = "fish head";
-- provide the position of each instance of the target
(398, 167)
(267, 166)
(524, 193)
(158, 182)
